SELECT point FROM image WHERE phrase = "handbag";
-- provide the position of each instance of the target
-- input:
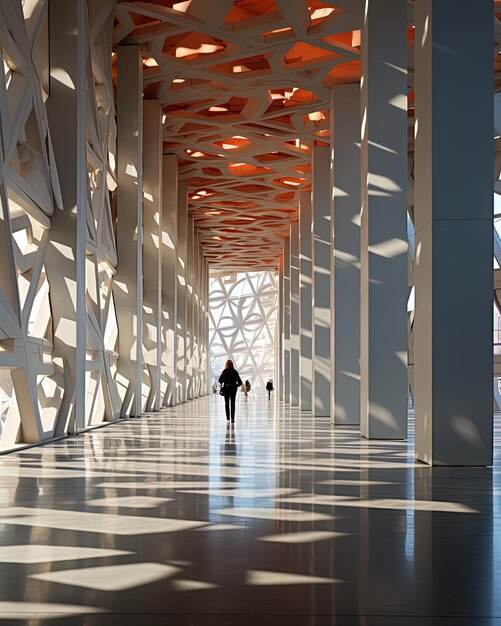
(221, 390)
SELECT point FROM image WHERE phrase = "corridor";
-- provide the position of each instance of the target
(180, 519)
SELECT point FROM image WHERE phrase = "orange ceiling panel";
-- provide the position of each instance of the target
(245, 92)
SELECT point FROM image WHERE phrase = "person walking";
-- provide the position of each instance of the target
(246, 387)
(269, 388)
(230, 382)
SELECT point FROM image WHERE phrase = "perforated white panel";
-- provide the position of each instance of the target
(242, 325)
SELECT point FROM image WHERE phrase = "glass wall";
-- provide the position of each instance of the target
(242, 325)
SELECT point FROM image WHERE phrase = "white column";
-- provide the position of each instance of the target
(182, 233)
(65, 257)
(279, 370)
(189, 307)
(203, 384)
(305, 302)
(322, 251)
(345, 125)
(201, 309)
(82, 199)
(453, 229)
(286, 382)
(128, 284)
(152, 250)
(196, 387)
(383, 315)
(206, 327)
(205, 363)
(169, 277)
(294, 285)
(196, 251)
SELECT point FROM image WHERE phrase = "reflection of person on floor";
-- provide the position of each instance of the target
(230, 445)
(269, 387)
(230, 382)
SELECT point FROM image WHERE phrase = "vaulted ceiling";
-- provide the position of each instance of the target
(245, 90)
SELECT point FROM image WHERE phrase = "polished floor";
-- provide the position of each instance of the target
(183, 519)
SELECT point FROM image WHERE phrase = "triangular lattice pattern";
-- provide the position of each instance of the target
(242, 325)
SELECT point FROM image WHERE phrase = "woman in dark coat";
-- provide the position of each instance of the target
(230, 381)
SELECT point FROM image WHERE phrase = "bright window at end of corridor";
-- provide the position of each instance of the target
(242, 325)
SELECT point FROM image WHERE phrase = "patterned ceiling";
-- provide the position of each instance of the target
(245, 90)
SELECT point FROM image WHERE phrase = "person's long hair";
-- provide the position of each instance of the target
(229, 365)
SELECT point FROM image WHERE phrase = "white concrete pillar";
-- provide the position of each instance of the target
(195, 315)
(169, 277)
(82, 200)
(305, 302)
(453, 229)
(279, 370)
(152, 251)
(294, 287)
(189, 307)
(201, 313)
(383, 314)
(201, 390)
(205, 327)
(322, 251)
(286, 382)
(205, 363)
(345, 129)
(182, 233)
(203, 383)
(65, 257)
(128, 284)
(196, 387)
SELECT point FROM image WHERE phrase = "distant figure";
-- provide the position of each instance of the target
(230, 382)
(246, 387)
(269, 388)
(214, 387)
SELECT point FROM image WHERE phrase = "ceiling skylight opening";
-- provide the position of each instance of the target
(285, 29)
(238, 69)
(320, 13)
(299, 144)
(203, 48)
(356, 37)
(316, 116)
(292, 182)
(195, 153)
(182, 7)
(237, 141)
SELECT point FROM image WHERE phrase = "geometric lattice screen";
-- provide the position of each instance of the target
(29, 195)
(242, 325)
(37, 294)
